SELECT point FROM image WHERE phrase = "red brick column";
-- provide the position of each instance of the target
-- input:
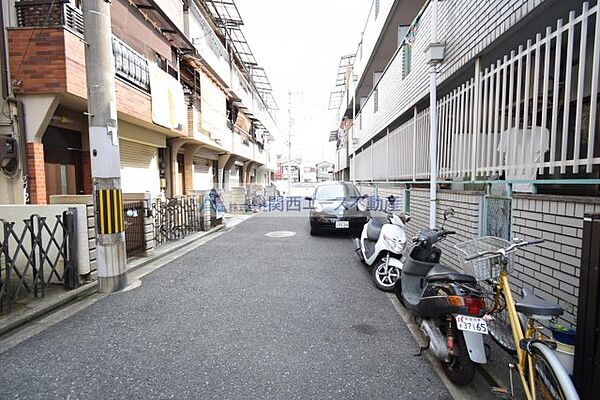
(86, 171)
(37, 173)
(189, 171)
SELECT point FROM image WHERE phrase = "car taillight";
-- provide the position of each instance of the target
(473, 303)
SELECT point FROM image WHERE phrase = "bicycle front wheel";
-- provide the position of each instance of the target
(550, 378)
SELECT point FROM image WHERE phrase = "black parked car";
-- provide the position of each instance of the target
(337, 206)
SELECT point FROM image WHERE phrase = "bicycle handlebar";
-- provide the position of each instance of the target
(504, 251)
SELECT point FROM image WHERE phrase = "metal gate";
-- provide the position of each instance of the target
(135, 238)
(587, 342)
(176, 218)
(497, 216)
(41, 252)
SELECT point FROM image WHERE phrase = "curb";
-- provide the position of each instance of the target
(48, 307)
(92, 287)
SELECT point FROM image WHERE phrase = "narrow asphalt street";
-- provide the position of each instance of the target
(244, 316)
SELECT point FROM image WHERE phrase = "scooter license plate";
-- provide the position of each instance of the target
(342, 224)
(471, 324)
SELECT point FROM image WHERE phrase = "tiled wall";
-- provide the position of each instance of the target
(550, 270)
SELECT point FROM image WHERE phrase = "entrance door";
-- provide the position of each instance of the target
(62, 162)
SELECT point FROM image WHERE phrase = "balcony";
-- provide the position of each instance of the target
(47, 56)
(43, 14)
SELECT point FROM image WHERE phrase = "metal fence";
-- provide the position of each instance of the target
(533, 112)
(176, 218)
(135, 235)
(37, 254)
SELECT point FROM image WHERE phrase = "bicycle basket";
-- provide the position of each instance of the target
(486, 267)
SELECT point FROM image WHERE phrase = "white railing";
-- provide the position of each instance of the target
(532, 112)
(341, 159)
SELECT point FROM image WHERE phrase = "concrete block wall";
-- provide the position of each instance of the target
(149, 236)
(87, 201)
(91, 235)
(551, 270)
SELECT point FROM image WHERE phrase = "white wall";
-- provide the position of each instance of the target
(370, 35)
(17, 213)
(467, 27)
(174, 10)
(207, 43)
(214, 106)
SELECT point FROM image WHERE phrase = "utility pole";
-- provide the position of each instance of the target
(104, 146)
(289, 143)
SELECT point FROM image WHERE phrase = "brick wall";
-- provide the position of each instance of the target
(86, 171)
(52, 60)
(37, 173)
(551, 270)
(37, 59)
(188, 159)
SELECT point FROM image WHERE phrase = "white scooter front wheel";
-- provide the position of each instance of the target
(385, 275)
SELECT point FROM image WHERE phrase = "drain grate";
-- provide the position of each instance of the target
(280, 234)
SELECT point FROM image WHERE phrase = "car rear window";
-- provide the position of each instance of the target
(330, 192)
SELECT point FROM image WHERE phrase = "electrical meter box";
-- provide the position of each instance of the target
(8, 151)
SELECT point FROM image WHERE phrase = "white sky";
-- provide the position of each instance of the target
(299, 43)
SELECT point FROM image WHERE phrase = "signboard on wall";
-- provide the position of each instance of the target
(168, 103)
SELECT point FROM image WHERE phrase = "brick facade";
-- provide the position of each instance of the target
(37, 60)
(52, 60)
(551, 270)
(86, 172)
(37, 173)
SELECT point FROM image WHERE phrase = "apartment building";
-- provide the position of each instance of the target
(517, 153)
(192, 113)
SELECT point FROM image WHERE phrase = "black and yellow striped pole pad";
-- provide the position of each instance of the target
(110, 207)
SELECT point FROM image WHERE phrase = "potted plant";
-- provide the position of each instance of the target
(565, 345)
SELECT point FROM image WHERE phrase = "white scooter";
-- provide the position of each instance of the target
(381, 246)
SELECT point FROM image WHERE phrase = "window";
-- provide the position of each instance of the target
(161, 62)
(376, 100)
(406, 60)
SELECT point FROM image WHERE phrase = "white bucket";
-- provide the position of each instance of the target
(566, 354)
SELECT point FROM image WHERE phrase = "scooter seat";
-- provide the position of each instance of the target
(530, 304)
(442, 273)
(374, 229)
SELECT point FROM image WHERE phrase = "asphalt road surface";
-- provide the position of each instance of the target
(244, 316)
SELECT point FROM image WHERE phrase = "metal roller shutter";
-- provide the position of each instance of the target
(135, 155)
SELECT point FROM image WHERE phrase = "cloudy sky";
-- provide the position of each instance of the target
(299, 43)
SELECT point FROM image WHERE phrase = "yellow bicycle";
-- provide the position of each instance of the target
(516, 326)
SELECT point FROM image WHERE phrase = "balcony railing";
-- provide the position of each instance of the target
(129, 64)
(45, 13)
